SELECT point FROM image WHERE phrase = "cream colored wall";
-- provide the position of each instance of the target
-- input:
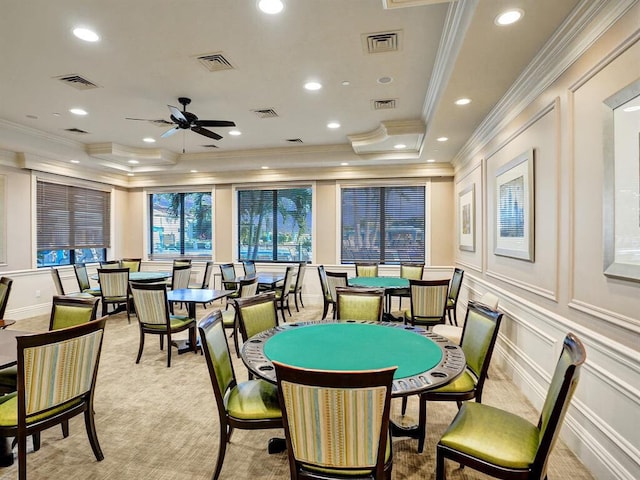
(17, 228)
(564, 288)
(223, 233)
(442, 216)
(128, 228)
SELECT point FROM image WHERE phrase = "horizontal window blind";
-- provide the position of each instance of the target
(383, 224)
(71, 217)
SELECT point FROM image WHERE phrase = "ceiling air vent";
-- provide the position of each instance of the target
(211, 145)
(265, 113)
(75, 130)
(76, 81)
(294, 140)
(215, 62)
(382, 42)
(383, 104)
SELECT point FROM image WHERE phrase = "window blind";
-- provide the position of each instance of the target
(71, 217)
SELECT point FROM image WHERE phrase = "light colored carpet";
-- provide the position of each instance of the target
(159, 423)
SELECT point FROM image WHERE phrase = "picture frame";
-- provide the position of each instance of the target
(514, 208)
(467, 219)
(621, 190)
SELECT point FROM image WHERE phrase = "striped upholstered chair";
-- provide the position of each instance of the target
(363, 304)
(349, 415)
(428, 302)
(114, 288)
(366, 269)
(248, 405)
(154, 317)
(56, 380)
(83, 280)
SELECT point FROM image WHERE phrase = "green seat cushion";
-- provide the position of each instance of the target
(92, 291)
(9, 377)
(420, 320)
(253, 400)
(229, 318)
(463, 384)
(9, 410)
(493, 435)
(177, 322)
(450, 302)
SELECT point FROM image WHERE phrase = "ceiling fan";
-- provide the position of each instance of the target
(184, 120)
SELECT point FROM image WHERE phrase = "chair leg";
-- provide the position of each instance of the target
(325, 310)
(36, 441)
(22, 457)
(295, 299)
(222, 448)
(440, 472)
(422, 424)
(141, 346)
(300, 294)
(193, 339)
(404, 406)
(65, 428)
(455, 315)
(91, 432)
(161, 342)
(168, 350)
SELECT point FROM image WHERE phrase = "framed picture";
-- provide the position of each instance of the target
(621, 202)
(514, 234)
(467, 219)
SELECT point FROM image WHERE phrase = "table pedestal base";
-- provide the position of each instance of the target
(277, 445)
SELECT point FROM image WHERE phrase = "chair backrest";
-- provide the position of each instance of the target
(490, 300)
(359, 303)
(563, 385)
(218, 358)
(366, 269)
(71, 311)
(206, 278)
(5, 290)
(288, 282)
(479, 336)
(412, 271)
(324, 283)
(57, 282)
(428, 300)
(336, 279)
(302, 268)
(110, 264)
(114, 282)
(56, 367)
(133, 264)
(249, 267)
(152, 306)
(348, 413)
(180, 276)
(248, 287)
(82, 276)
(228, 272)
(256, 314)
(181, 262)
(456, 283)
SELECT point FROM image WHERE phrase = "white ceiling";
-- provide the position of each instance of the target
(147, 58)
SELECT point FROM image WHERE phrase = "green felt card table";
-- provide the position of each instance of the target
(388, 283)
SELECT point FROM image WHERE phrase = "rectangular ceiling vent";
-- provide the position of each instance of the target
(265, 113)
(383, 104)
(75, 130)
(211, 145)
(382, 42)
(294, 140)
(214, 62)
(76, 81)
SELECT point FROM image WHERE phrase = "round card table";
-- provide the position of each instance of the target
(143, 277)
(388, 283)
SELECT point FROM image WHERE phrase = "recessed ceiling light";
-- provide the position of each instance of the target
(345, 83)
(134, 162)
(264, 167)
(75, 161)
(442, 139)
(193, 171)
(235, 133)
(344, 164)
(270, 6)
(463, 101)
(313, 86)
(384, 80)
(149, 140)
(333, 125)
(129, 174)
(86, 34)
(399, 146)
(78, 111)
(431, 160)
(509, 17)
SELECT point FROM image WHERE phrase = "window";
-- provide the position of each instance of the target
(275, 225)
(383, 224)
(180, 225)
(73, 224)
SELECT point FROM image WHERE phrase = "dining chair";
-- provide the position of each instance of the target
(248, 288)
(452, 295)
(326, 293)
(336, 423)
(249, 267)
(296, 289)
(256, 314)
(180, 278)
(110, 264)
(283, 291)
(133, 264)
(206, 278)
(366, 269)
(83, 281)
(62, 366)
(363, 304)
(410, 271)
(248, 405)
(335, 279)
(479, 336)
(57, 282)
(453, 332)
(228, 275)
(180, 262)
(428, 302)
(114, 289)
(504, 445)
(5, 289)
(155, 318)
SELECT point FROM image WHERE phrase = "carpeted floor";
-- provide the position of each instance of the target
(159, 423)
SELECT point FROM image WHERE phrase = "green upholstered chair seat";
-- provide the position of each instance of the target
(92, 291)
(498, 437)
(253, 400)
(421, 320)
(229, 318)
(116, 299)
(9, 410)
(464, 383)
(8, 377)
(177, 322)
(450, 302)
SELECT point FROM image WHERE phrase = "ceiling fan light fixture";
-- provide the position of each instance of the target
(235, 133)
(271, 7)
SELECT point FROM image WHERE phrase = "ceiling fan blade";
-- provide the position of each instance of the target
(214, 123)
(170, 132)
(177, 114)
(159, 121)
(206, 133)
